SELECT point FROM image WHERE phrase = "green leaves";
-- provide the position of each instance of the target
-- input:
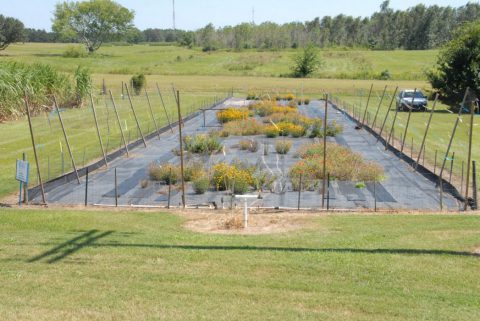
(11, 30)
(306, 62)
(92, 22)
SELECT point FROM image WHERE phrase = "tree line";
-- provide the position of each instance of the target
(416, 28)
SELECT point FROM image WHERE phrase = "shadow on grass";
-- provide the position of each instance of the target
(293, 249)
(71, 246)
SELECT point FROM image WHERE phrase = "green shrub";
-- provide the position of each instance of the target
(202, 144)
(201, 185)
(83, 84)
(283, 146)
(75, 52)
(245, 127)
(271, 131)
(168, 173)
(138, 82)
(234, 177)
(248, 144)
(193, 170)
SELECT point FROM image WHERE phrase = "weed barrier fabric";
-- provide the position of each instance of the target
(402, 189)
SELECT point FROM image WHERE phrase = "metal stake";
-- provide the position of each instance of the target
(181, 147)
(151, 113)
(164, 108)
(86, 188)
(469, 158)
(378, 109)
(366, 107)
(325, 150)
(422, 147)
(136, 119)
(408, 120)
(386, 115)
(119, 123)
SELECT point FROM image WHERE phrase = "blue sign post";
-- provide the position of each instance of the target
(22, 175)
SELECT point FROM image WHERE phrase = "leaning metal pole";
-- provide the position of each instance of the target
(164, 108)
(34, 148)
(136, 118)
(426, 131)
(379, 106)
(98, 130)
(66, 139)
(366, 107)
(151, 113)
(181, 147)
(469, 159)
(386, 115)
(119, 124)
(408, 120)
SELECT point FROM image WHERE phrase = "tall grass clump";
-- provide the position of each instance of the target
(83, 84)
(40, 81)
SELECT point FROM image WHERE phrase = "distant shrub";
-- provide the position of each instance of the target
(138, 82)
(230, 114)
(193, 170)
(167, 173)
(385, 75)
(202, 144)
(201, 185)
(246, 127)
(75, 52)
(249, 144)
(306, 101)
(283, 147)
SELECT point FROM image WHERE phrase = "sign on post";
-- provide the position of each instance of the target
(22, 171)
(21, 175)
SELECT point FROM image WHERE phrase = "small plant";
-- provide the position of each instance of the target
(385, 75)
(306, 101)
(290, 97)
(74, 52)
(144, 183)
(201, 185)
(248, 144)
(360, 185)
(247, 127)
(202, 144)
(271, 131)
(167, 173)
(283, 146)
(138, 83)
(234, 223)
(231, 114)
(193, 171)
(234, 177)
(266, 148)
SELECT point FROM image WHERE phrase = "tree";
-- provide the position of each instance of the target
(92, 22)
(306, 62)
(11, 30)
(458, 64)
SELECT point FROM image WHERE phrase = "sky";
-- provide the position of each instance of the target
(194, 14)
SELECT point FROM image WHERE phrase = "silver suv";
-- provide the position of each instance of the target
(406, 100)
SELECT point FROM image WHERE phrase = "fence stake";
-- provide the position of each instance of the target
(435, 165)
(328, 191)
(136, 119)
(116, 189)
(411, 150)
(299, 191)
(25, 185)
(470, 138)
(375, 193)
(66, 139)
(86, 188)
(463, 173)
(378, 109)
(386, 115)
(164, 108)
(422, 147)
(454, 131)
(181, 147)
(119, 123)
(151, 114)
(392, 129)
(440, 180)
(451, 168)
(408, 120)
(474, 181)
(325, 150)
(169, 188)
(98, 130)
(366, 107)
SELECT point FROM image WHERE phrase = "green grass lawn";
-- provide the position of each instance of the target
(172, 60)
(74, 265)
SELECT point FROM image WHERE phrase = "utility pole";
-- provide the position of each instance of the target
(174, 27)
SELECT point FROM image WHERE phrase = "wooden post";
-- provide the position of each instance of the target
(86, 188)
(375, 193)
(325, 123)
(379, 106)
(388, 112)
(136, 119)
(116, 189)
(408, 120)
(25, 185)
(328, 191)
(169, 189)
(181, 147)
(454, 131)
(164, 108)
(366, 107)
(422, 147)
(462, 178)
(66, 139)
(119, 123)
(151, 113)
(435, 165)
(469, 158)
(474, 181)
(440, 180)
(98, 131)
(299, 192)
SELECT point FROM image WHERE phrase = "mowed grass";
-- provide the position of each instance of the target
(439, 134)
(74, 265)
(173, 60)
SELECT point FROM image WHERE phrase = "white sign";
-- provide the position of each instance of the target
(22, 171)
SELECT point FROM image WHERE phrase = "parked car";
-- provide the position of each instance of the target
(406, 100)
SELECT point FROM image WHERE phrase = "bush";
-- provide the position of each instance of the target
(333, 129)
(138, 82)
(231, 114)
(233, 177)
(193, 171)
(75, 52)
(306, 101)
(248, 144)
(271, 131)
(168, 173)
(247, 127)
(385, 75)
(202, 144)
(201, 185)
(283, 146)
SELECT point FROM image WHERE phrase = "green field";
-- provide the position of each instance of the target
(72, 265)
(171, 60)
